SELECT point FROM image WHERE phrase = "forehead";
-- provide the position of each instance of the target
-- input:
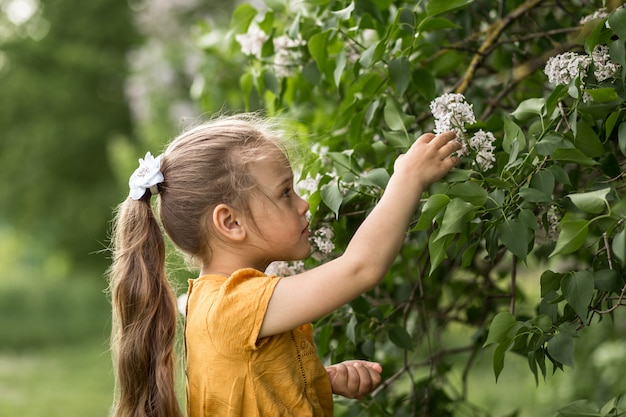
(271, 173)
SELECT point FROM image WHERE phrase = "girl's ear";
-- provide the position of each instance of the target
(227, 222)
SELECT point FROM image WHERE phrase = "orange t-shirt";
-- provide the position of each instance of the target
(232, 374)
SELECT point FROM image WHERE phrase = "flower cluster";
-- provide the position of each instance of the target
(252, 41)
(604, 68)
(452, 113)
(287, 55)
(322, 242)
(287, 51)
(482, 144)
(601, 13)
(562, 69)
(285, 269)
(308, 186)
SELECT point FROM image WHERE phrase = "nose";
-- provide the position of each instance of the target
(303, 205)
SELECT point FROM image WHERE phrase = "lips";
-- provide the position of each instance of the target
(306, 229)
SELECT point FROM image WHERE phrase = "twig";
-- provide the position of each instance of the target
(493, 34)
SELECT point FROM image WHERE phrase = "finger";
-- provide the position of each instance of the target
(354, 381)
(443, 138)
(332, 372)
(366, 383)
(450, 148)
(373, 365)
(426, 137)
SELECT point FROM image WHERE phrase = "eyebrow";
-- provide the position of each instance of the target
(288, 179)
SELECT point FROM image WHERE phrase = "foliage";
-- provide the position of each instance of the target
(356, 79)
(62, 75)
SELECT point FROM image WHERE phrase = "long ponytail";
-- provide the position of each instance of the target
(144, 316)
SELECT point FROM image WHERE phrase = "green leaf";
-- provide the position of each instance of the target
(617, 21)
(587, 140)
(345, 13)
(436, 23)
(577, 289)
(331, 196)
(437, 248)
(400, 73)
(533, 195)
(317, 45)
(603, 95)
(351, 329)
(572, 236)
(515, 236)
(607, 280)
(435, 7)
(550, 282)
(398, 140)
(560, 175)
(561, 348)
(393, 115)
(579, 408)
(339, 67)
(400, 337)
(378, 177)
(543, 181)
(458, 214)
(610, 123)
(621, 137)
(372, 54)
(529, 108)
(242, 16)
(618, 246)
(550, 143)
(591, 202)
(424, 83)
(498, 357)
(499, 328)
(511, 132)
(572, 155)
(432, 207)
(246, 82)
(469, 191)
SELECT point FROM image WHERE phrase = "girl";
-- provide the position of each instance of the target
(226, 199)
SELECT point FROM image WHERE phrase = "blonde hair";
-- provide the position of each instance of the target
(203, 167)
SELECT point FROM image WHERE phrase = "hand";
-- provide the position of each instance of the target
(429, 158)
(354, 379)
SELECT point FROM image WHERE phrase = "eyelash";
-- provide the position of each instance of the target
(287, 192)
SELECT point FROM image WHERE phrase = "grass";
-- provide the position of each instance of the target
(67, 381)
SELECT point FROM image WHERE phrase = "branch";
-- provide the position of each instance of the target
(493, 34)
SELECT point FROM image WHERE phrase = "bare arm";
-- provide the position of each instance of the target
(308, 296)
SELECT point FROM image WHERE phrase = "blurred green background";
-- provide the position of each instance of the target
(86, 87)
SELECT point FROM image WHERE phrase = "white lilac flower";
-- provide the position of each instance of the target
(563, 68)
(451, 113)
(252, 41)
(287, 54)
(285, 269)
(604, 68)
(481, 144)
(308, 186)
(601, 13)
(322, 240)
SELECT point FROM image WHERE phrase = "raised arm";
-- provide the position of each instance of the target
(308, 296)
